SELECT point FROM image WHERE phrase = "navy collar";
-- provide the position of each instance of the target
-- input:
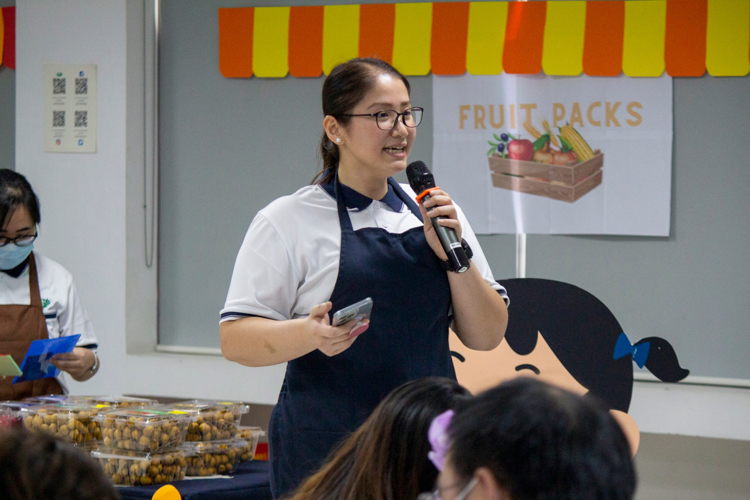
(358, 201)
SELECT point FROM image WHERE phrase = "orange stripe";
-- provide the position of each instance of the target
(685, 40)
(524, 37)
(376, 25)
(603, 39)
(236, 42)
(450, 29)
(306, 41)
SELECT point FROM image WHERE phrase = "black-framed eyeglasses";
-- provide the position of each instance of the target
(388, 119)
(21, 241)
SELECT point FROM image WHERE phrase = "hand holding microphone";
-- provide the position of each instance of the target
(444, 230)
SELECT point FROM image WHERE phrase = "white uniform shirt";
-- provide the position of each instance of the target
(61, 304)
(289, 260)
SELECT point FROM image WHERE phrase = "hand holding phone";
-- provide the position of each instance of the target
(359, 311)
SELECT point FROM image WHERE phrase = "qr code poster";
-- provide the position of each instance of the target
(69, 108)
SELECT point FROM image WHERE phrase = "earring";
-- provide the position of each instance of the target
(338, 140)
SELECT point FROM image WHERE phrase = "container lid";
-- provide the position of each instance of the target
(49, 399)
(198, 447)
(207, 405)
(145, 415)
(18, 405)
(81, 410)
(248, 432)
(117, 401)
(136, 455)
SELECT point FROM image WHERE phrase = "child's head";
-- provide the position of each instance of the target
(386, 457)
(39, 467)
(531, 441)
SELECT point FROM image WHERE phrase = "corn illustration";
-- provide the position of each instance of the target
(531, 130)
(579, 145)
(554, 140)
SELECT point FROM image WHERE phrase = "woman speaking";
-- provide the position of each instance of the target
(38, 298)
(353, 234)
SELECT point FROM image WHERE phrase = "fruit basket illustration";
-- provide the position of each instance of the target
(537, 168)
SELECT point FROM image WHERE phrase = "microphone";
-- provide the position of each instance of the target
(422, 181)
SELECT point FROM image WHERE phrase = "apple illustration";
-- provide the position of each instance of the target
(520, 149)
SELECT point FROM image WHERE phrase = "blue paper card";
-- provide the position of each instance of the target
(36, 363)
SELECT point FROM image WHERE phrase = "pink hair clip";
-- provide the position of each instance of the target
(438, 438)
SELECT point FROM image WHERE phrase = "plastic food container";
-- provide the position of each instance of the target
(118, 401)
(211, 420)
(251, 436)
(146, 429)
(132, 468)
(74, 423)
(50, 399)
(10, 418)
(216, 457)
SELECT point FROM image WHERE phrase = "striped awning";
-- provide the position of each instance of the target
(8, 37)
(641, 38)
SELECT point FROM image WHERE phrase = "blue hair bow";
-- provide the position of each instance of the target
(623, 347)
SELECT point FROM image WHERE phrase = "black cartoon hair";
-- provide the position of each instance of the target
(582, 332)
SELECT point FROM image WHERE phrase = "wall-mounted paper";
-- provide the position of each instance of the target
(69, 108)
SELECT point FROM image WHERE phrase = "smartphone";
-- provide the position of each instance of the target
(359, 311)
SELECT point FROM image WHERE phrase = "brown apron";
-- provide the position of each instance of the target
(19, 326)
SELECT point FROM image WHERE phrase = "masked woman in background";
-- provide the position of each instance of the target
(38, 299)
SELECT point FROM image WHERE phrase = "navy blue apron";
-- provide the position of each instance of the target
(325, 398)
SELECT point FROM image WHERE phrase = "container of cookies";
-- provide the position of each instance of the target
(73, 423)
(148, 430)
(211, 420)
(251, 436)
(215, 457)
(51, 399)
(133, 468)
(11, 418)
(118, 401)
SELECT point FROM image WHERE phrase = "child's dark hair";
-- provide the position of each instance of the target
(15, 190)
(386, 457)
(541, 442)
(344, 87)
(42, 467)
(582, 332)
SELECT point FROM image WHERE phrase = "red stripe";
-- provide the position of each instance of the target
(685, 40)
(603, 38)
(376, 26)
(450, 29)
(9, 40)
(236, 42)
(306, 41)
(524, 37)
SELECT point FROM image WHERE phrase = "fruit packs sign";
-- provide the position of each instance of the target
(556, 155)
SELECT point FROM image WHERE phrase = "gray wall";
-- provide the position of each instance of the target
(7, 110)
(230, 146)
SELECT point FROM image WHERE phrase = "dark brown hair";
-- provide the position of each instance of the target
(42, 467)
(386, 457)
(344, 87)
(15, 190)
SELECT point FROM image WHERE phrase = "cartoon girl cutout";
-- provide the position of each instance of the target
(567, 337)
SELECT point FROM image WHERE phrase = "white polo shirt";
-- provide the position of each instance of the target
(61, 304)
(289, 260)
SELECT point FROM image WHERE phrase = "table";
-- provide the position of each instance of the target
(250, 481)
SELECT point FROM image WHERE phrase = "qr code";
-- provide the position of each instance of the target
(58, 118)
(82, 86)
(58, 85)
(82, 119)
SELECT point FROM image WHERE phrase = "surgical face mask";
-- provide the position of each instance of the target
(11, 255)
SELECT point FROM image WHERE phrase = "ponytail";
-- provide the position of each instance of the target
(329, 152)
(662, 360)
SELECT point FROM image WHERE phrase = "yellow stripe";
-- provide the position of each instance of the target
(727, 37)
(340, 35)
(484, 49)
(411, 38)
(271, 42)
(563, 38)
(643, 44)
